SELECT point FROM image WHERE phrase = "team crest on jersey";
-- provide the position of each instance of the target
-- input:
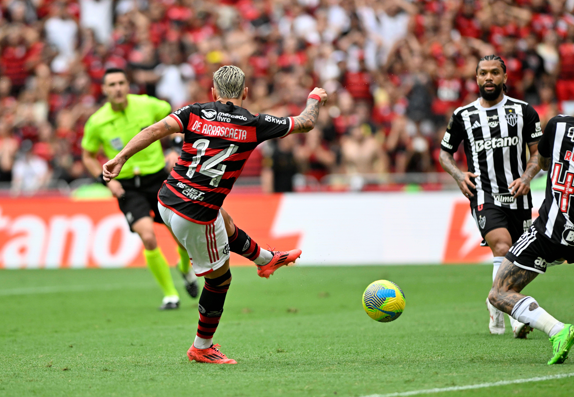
(511, 119)
(208, 114)
(481, 221)
(117, 143)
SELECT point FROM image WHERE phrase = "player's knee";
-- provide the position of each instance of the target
(229, 224)
(501, 248)
(149, 240)
(221, 281)
(493, 296)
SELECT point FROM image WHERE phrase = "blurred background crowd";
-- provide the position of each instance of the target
(395, 71)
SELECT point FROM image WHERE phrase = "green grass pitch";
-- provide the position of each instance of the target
(301, 333)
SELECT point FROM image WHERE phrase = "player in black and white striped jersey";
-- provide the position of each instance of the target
(497, 131)
(549, 241)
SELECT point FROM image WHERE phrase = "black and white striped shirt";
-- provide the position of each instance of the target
(557, 210)
(495, 142)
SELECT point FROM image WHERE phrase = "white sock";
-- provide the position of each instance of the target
(557, 328)
(496, 262)
(190, 276)
(528, 311)
(264, 257)
(201, 343)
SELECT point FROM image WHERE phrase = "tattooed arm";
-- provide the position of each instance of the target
(305, 122)
(146, 137)
(462, 178)
(521, 186)
(543, 162)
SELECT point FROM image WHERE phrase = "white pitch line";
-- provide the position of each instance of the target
(470, 387)
(70, 288)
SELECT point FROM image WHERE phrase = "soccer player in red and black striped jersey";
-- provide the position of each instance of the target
(219, 137)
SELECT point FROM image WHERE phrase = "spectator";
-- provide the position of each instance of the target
(61, 31)
(8, 150)
(30, 172)
(393, 69)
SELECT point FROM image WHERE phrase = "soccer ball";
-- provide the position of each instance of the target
(384, 301)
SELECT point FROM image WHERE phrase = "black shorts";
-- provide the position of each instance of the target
(140, 199)
(534, 251)
(490, 216)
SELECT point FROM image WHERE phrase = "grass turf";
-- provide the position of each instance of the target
(302, 332)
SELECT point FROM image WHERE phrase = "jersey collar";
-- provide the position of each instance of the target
(498, 105)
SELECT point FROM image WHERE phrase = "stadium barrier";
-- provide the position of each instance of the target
(330, 228)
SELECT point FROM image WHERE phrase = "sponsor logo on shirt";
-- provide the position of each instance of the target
(208, 114)
(568, 236)
(492, 121)
(445, 140)
(504, 198)
(226, 117)
(180, 111)
(537, 131)
(540, 263)
(190, 192)
(271, 119)
(494, 143)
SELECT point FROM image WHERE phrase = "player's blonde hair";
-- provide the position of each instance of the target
(229, 81)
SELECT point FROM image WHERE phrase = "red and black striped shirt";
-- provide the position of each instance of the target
(218, 141)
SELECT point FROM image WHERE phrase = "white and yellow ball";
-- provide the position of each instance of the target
(383, 301)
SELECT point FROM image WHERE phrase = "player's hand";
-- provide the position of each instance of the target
(116, 188)
(321, 93)
(170, 160)
(112, 168)
(519, 187)
(464, 183)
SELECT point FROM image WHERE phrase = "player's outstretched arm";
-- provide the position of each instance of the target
(139, 142)
(305, 122)
(462, 178)
(521, 186)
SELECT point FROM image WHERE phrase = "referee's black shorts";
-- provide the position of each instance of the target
(490, 216)
(140, 199)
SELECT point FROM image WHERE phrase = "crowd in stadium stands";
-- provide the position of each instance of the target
(395, 71)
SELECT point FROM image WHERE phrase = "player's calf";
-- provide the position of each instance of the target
(210, 310)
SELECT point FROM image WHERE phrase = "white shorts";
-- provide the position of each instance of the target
(207, 245)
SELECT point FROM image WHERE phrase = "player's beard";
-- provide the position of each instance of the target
(490, 96)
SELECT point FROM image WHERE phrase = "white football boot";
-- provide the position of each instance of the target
(520, 330)
(496, 324)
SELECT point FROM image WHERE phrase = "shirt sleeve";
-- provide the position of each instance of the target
(532, 131)
(269, 127)
(454, 135)
(159, 108)
(182, 116)
(546, 143)
(91, 140)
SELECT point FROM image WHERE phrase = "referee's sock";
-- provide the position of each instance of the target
(242, 244)
(160, 269)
